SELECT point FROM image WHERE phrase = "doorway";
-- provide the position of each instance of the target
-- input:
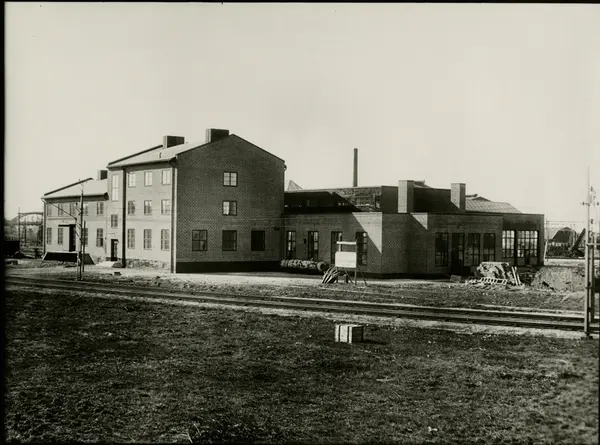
(114, 249)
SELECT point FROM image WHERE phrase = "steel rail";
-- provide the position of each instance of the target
(458, 315)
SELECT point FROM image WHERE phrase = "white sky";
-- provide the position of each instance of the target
(503, 97)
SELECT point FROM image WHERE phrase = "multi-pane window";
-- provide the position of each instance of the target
(165, 206)
(489, 247)
(59, 239)
(335, 237)
(99, 237)
(230, 179)
(48, 209)
(114, 191)
(85, 236)
(290, 244)
(131, 207)
(199, 240)
(131, 238)
(229, 240)
(147, 238)
(441, 249)
(312, 249)
(86, 209)
(165, 177)
(257, 240)
(48, 235)
(131, 179)
(458, 249)
(527, 241)
(114, 221)
(230, 208)
(362, 243)
(147, 179)
(473, 248)
(99, 208)
(164, 239)
(508, 244)
(147, 207)
(73, 209)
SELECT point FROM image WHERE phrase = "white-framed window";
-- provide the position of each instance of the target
(48, 209)
(165, 206)
(85, 236)
(48, 235)
(164, 239)
(131, 207)
(147, 179)
(114, 221)
(230, 179)
(147, 238)
(114, 194)
(131, 238)
(59, 240)
(86, 208)
(99, 237)
(131, 179)
(99, 208)
(148, 207)
(165, 177)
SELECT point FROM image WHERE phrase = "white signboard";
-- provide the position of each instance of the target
(345, 259)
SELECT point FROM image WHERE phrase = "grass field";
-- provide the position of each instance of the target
(96, 369)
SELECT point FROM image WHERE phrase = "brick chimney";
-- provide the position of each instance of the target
(170, 141)
(406, 196)
(102, 174)
(215, 134)
(458, 193)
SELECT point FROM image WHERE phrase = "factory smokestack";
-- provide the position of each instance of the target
(355, 176)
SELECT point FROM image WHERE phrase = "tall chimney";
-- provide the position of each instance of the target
(101, 174)
(458, 195)
(216, 134)
(406, 196)
(355, 176)
(170, 141)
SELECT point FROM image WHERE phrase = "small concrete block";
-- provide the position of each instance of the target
(349, 333)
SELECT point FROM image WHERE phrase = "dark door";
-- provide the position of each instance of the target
(457, 255)
(72, 239)
(114, 247)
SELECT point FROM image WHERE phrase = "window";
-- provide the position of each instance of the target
(230, 179)
(229, 239)
(147, 179)
(86, 209)
(527, 247)
(199, 240)
(290, 244)
(60, 236)
(147, 239)
(441, 249)
(131, 238)
(230, 208)
(85, 236)
(335, 237)
(147, 207)
(166, 177)
(131, 207)
(73, 209)
(257, 240)
(361, 248)
(49, 235)
(99, 208)
(508, 244)
(114, 195)
(99, 237)
(131, 179)
(312, 250)
(61, 209)
(114, 221)
(473, 244)
(48, 209)
(458, 250)
(165, 206)
(164, 239)
(489, 247)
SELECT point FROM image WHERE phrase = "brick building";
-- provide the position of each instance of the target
(220, 205)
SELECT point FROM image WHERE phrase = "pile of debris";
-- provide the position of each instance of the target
(333, 274)
(494, 272)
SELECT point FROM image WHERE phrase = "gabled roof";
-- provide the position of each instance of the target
(91, 187)
(160, 154)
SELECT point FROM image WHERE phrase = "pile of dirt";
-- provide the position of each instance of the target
(560, 278)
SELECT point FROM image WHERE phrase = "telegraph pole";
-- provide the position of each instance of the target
(590, 245)
(80, 252)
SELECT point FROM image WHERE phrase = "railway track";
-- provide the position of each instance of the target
(541, 320)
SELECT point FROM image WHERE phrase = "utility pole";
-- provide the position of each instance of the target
(80, 252)
(589, 245)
